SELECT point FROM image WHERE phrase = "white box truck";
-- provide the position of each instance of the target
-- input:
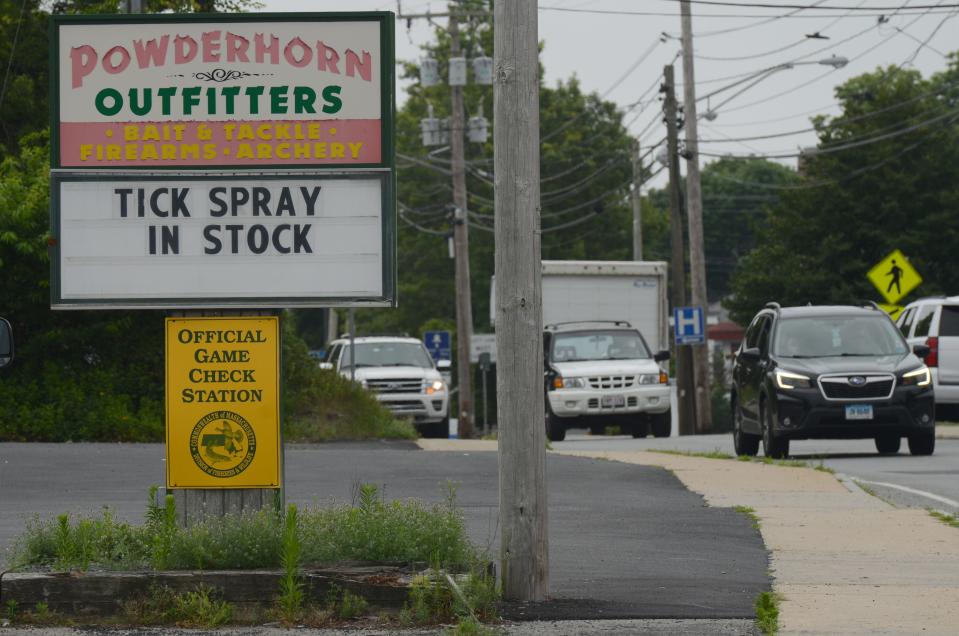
(605, 335)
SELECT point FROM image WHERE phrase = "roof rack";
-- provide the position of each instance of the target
(872, 305)
(773, 305)
(618, 323)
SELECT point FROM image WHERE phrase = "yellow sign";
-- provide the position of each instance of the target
(894, 277)
(223, 402)
(892, 310)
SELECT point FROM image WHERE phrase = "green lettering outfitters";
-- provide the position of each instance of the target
(222, 100)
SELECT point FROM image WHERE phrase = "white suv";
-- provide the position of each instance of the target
(401, 373)
(934, 322)
(601, 373)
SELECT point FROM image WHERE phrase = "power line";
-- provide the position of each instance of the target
(738, 16)
(819, 77)
(866, 141)
(841, 121)
(818, 5)
(825, 182)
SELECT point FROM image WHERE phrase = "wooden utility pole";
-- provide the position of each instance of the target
(637, 201)
(519, 317)
(464, 304)
(684, 384)
(694, 208)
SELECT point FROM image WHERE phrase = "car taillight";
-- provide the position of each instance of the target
(932, 360)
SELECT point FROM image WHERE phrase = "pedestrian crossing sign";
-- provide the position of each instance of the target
(894, 277)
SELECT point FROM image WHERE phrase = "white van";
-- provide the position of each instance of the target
(934, 322)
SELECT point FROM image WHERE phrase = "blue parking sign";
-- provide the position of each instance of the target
(689, 327)
(438, 344)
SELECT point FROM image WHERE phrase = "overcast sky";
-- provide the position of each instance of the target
(621, 56)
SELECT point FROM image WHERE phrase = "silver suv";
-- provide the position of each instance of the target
(402, 375)
(934, 322)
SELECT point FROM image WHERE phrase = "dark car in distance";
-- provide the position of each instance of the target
(830, 372)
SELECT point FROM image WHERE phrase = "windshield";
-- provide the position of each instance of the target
(827, 336)
(387, 354)
(598, 345)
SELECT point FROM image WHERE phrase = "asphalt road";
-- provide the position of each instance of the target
(626, 541)
(904, 480)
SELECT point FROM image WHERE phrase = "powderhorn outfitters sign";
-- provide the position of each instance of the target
(222, 402)
(223, 161)
(201, 91)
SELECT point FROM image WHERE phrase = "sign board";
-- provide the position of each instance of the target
(688, 325)
(209, 241)
(894, 277)
(223, 402)
(481, 343)
(438, 344)
(253, 90)
(221, 160)
(893, 310)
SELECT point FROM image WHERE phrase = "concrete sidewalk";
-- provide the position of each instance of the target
(844, 561)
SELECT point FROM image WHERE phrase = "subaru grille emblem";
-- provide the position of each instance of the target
(857, 380)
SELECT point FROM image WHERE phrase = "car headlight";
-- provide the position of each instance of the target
(560, 382)
(653, 378)
(917, 377)
(435, 387)
(789, 380)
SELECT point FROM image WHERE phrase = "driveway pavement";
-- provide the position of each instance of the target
(626, 541)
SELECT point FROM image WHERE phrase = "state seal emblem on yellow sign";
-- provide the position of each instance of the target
(223, 444)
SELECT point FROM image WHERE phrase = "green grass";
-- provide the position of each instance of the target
(949, 520)
(373, 529)
(327, 407)
(767, 613)
(713, 454)
(199, 607)
(749, 512)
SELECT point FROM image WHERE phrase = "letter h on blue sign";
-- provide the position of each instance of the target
(688, 324)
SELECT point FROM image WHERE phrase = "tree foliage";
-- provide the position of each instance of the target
(736, 198)
(855, 202)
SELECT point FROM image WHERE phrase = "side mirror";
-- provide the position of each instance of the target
(660, 356)
(326, 365)
(921, 350)
(6, 342)
(443, 365)
(751, 353)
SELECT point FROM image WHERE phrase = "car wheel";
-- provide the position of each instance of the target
(555, 430)
(640, 427)
(662, 424)
(772, 447)
(744, 443)
(922, 443)
(888, 444)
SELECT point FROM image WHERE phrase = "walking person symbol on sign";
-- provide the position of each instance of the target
(894, 277)
(896, 272)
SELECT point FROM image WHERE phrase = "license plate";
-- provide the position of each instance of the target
(859, 411)
(612, 401)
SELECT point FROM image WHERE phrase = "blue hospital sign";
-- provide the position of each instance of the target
(438, 344)
(689, 325)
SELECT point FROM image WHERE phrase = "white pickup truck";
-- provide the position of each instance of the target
(401, 373)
